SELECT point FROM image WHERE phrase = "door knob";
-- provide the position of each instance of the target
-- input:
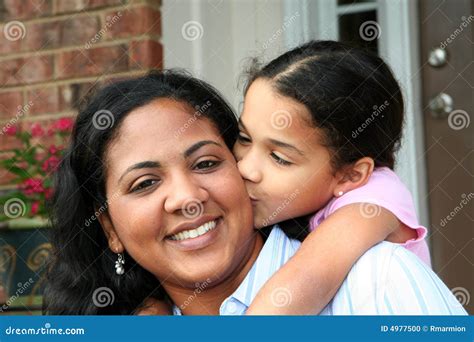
(438, 57)
(441, 105)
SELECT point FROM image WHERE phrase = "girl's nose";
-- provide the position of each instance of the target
(249, 169)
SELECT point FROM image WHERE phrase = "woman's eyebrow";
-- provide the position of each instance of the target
(193, 148)
(286, 145)
(148, 164)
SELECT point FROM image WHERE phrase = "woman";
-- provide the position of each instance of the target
(149, 204)
(111, 236)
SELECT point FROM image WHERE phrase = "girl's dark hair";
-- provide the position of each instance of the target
(351, 94)
(81, 277)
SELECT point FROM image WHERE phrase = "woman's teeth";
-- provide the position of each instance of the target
(193, 233)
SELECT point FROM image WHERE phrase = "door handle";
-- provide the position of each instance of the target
(441, 105)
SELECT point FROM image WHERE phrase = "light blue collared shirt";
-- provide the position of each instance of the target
(386, 280)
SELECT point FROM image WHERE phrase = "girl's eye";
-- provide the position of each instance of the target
(279, 160)
(145, 184)
(244, 139)
(207, 164)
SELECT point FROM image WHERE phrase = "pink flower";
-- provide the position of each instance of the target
(31, 186)
(50, 164)
(53, 149)
(64, 124)
(34, 208)
(37, 130)
(11, 130)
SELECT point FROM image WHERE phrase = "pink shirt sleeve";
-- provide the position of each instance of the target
(386, 190)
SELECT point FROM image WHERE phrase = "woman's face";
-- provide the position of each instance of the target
(287, 169)
(177, 203)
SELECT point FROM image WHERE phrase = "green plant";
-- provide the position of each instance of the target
(32, 165)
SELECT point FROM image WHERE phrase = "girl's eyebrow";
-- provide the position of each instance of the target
(286, 146)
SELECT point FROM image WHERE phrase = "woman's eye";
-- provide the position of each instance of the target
(145, 184)
(242, 138)
(207, 164)
(279, 160)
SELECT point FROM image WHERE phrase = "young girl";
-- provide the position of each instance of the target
(319, 130)
(318, 133)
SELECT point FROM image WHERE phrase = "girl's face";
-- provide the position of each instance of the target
(177, 203)
(280, 155)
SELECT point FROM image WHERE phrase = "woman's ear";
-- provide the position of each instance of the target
(114, 242)
(354, 176)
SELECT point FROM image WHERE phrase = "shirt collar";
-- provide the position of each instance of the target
(276, 251)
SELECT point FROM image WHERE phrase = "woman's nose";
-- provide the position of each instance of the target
(187, 196)
(249, 169)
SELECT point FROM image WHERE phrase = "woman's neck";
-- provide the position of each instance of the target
(207, 301)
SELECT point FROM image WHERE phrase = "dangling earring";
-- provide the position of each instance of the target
(340, 193)
(119, 269)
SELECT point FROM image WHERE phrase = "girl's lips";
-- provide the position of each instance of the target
(198, 242)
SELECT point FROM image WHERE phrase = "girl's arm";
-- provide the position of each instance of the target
(314, 274)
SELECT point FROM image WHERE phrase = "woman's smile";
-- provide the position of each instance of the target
(200, 233)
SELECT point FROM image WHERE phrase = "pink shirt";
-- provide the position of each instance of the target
(386, 190)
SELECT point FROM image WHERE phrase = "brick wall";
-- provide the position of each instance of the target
(53, 52)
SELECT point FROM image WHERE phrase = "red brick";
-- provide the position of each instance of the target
(97, 61)
(79, 5)
(134, 22)
(41, 36)
(26, 70)
(8, 142)
(146, 54)
(73, 95)
(44, 100)
(10, 102)
(9, 71)
(23, 9)
(36, 69)
(79, 30)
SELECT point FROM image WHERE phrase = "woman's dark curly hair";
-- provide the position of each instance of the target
(81, 274)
